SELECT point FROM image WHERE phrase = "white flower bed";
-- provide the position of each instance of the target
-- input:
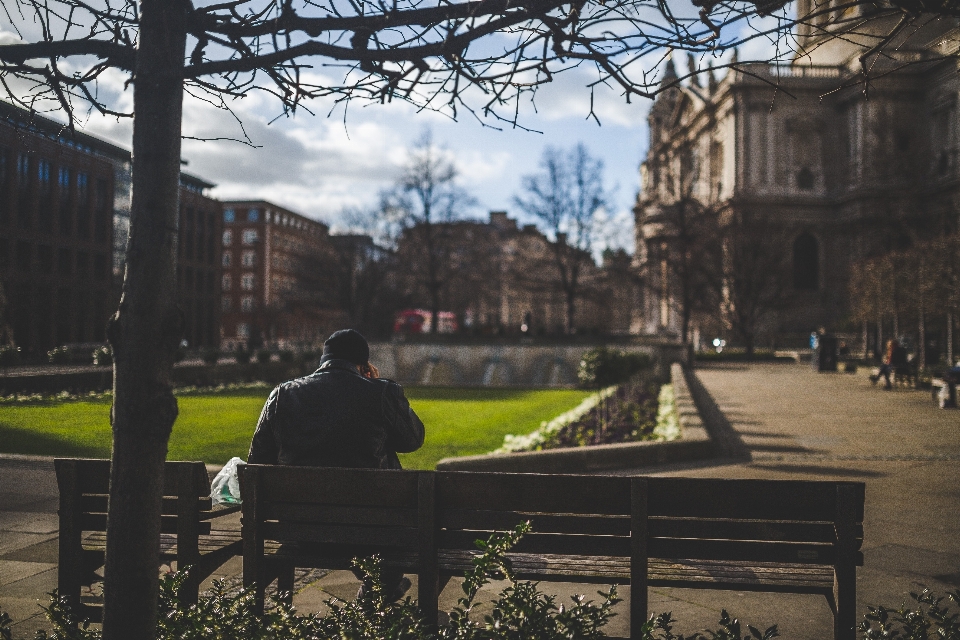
(668, 420)
(534, 441)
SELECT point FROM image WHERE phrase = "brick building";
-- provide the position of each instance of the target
(501, 278)
(279, 277)
(64, 222)
(57, 194)
(198, 262)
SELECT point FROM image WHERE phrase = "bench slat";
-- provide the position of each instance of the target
(93, 476)
(97, 503)
(533, 492)
(661, 572)
(739, 550)
(486, 520)
(535, 542)
(331, 534)
(660, 527)
(97, 541)
(336, 486)
(168, 524)
(770, 530)
(331, 514)
(792, 500)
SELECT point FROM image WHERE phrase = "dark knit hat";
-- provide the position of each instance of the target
(346, 344)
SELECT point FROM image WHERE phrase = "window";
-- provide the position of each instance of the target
(246, 282)
(249, 258)
(23, 171)
(82, 264)
(806, 263)
(246, 304)
(225, 303)
(243, 330)
(24, 256)
(225, 282)
(45, 258)
(227, 238)
(229, 215)
(805, 179)
(253, 215)
(64, 262)
(63, 178)
(43, 174)
(250, 236)
(100, 270)
(227, 258)
(83, 205)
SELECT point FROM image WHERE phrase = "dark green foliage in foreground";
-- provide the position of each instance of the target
(935, 622)
(660, 627)
(5, 626)
(603, 367)
(520, 612)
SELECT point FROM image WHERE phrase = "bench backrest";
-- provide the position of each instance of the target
(578, 515)
(332, 506)
(804, 522)
(85, 486)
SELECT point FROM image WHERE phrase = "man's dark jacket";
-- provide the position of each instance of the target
(336, 417)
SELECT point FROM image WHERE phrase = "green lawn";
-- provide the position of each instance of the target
(217, 426)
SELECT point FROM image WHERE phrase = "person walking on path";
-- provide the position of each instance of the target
(342, 415)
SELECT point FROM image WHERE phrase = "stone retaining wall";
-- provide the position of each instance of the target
(695, 443)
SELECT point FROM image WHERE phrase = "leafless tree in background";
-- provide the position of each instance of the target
(565, 197)
(754, 274)
(425, 199)
(481, 57)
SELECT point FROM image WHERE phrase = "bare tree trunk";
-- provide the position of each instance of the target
(880, 346)
(950, 338)
(146, 330)
(571, 311)
(866, 340)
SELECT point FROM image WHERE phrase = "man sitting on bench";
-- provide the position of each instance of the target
(341, 415)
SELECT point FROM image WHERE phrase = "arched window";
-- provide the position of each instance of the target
(806, 263)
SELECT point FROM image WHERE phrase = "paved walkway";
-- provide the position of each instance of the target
(797, 424)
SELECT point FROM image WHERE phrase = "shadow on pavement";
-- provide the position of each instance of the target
(815, 470)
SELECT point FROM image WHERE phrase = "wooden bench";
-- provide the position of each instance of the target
(186, 534)
(743, 535)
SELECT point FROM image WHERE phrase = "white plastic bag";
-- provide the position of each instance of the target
(225, 488)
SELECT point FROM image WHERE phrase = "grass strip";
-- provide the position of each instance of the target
(214, 427)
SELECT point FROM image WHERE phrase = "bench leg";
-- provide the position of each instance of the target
(285, 583)
(845, 599)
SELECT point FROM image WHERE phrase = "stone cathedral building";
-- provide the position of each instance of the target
(840, 171)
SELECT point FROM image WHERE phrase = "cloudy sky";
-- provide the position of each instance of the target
(319, 164)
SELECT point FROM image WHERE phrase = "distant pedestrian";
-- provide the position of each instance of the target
(893, 355)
